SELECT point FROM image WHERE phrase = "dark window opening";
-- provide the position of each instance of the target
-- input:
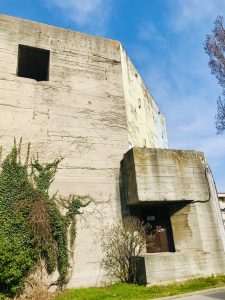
(33, 63)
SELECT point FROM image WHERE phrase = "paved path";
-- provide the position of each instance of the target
(216, 295)
(213, 294)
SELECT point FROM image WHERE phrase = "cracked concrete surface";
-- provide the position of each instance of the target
(80, 114)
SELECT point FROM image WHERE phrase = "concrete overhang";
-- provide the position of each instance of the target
(153, 175)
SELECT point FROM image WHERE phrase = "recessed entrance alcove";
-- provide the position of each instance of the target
(174, 193)
(159, 227)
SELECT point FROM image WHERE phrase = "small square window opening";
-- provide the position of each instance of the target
(33, 63)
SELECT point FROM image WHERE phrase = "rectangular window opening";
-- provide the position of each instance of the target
(33, 63)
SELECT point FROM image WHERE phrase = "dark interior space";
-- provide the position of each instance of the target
(33, 63)
(160, 229)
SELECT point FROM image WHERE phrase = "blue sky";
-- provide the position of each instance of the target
(164, 39)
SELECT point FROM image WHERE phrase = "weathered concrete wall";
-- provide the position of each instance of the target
(165, 175)
(170, 267)
(146, 124)
(184, 180)
(78, 114)
(198, 226)
(92, 109)
(210, 220)
(185, 226)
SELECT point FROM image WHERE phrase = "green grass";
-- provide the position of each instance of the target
(135, 292)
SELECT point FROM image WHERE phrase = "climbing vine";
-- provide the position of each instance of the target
(32, 227)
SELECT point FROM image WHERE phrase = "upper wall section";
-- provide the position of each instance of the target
(146, 124)
(68, 48)
(81, 63)
(81, 103)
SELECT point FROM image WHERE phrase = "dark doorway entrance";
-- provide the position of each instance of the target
(159, 229)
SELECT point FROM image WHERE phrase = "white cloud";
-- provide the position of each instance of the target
(185, 13)
(141, 54)
(148, 32)
(179, 78)
(186, 93)
(87, 14)
(189, 108)
(190, 118)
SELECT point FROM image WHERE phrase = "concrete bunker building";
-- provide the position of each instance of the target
(79, 96)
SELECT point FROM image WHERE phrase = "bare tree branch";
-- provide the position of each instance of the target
(215, 47)
(122, 244)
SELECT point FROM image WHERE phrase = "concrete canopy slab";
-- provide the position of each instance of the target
(165, 175)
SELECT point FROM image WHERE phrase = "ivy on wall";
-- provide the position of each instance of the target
(32, 228)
